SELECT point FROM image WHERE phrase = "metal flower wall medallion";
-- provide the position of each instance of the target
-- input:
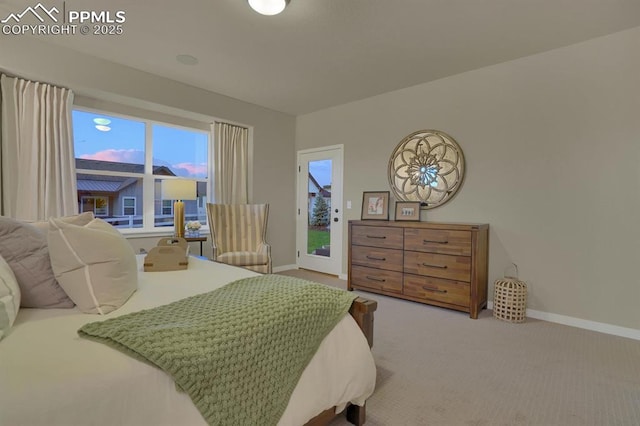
(426, 166)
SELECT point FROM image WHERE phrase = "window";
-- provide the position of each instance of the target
(167, 208)
(98, 205)
(121, 162)
(128, 206)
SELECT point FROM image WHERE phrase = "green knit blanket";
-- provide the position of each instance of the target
(238, 351)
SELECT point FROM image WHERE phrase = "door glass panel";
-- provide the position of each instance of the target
(319, 208)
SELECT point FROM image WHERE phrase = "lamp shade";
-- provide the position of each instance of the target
(179, 189)
(268, 7)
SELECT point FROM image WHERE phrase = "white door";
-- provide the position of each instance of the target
(319, 220)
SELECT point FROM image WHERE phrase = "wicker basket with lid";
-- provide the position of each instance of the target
(510, 298)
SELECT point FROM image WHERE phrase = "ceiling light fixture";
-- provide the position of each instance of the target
(102, 121)
(268, 7)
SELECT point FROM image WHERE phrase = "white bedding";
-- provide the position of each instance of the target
(50, 376)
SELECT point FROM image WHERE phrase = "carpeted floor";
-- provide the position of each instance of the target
(439, 367)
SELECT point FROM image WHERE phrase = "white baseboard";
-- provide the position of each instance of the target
(630, 333)
(615, 330)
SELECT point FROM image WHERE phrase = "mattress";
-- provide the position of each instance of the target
(50, 376)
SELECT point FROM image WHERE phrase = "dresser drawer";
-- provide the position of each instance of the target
(438, 265)
(438, 241)
(377, 236)
(442, 264)
(445, 291)
(376, 257)
(377, 279)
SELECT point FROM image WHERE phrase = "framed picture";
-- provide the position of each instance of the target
(408, 210)
(375, 205)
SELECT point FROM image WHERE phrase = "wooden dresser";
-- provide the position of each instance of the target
(442, 264)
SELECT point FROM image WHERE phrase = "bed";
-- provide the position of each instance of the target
(51, 376)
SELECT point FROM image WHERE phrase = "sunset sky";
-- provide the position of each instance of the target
(183, 151)
(321, 171)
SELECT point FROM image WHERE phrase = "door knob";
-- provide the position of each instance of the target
(335, 219)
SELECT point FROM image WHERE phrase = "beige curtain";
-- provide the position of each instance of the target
(37, 171)
(231, 159)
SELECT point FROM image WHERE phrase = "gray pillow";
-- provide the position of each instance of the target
(25, 250)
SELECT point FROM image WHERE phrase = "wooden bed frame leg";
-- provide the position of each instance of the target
(356, 414)
(362, 311)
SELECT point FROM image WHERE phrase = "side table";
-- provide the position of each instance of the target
(199, 239)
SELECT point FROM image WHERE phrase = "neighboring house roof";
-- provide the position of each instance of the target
(114, 184)
(322, 191)
(84, 164)
(96, 183)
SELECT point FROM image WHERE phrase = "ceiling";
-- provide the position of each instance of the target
(322, 53)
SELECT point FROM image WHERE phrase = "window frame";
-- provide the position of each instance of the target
(124, 206)
(95, 198)
(147, 177)
(169, 206)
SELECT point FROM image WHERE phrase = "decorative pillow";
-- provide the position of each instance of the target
(9, 297)
(78, 219)
(95, 265)
(25, 250)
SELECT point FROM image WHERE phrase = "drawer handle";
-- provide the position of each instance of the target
(435, 290)
(380, 237)
(376, 258)
(434, 266)
(380, 280)
(434, 241)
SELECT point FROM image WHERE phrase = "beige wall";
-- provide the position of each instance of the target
(273, 132)
(552, 144)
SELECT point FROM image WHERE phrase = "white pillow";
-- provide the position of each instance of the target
(77, 219)
(94, 264)
(9, 297)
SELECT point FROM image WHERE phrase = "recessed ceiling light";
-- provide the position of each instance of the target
(187, 59)
(103, 128)
(102, 121)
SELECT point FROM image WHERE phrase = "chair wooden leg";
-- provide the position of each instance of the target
(356, 414)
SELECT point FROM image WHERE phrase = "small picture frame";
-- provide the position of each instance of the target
(375, 205)
(407, 211)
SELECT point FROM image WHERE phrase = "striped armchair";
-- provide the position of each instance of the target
(238, 233)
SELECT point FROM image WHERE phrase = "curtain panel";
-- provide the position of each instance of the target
(231, 160)
(38, 178)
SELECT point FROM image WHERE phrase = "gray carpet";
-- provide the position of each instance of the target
(439, 367)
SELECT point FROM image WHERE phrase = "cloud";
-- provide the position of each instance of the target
(190, 169)
(132, 156)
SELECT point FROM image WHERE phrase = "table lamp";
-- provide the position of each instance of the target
(178, 190)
